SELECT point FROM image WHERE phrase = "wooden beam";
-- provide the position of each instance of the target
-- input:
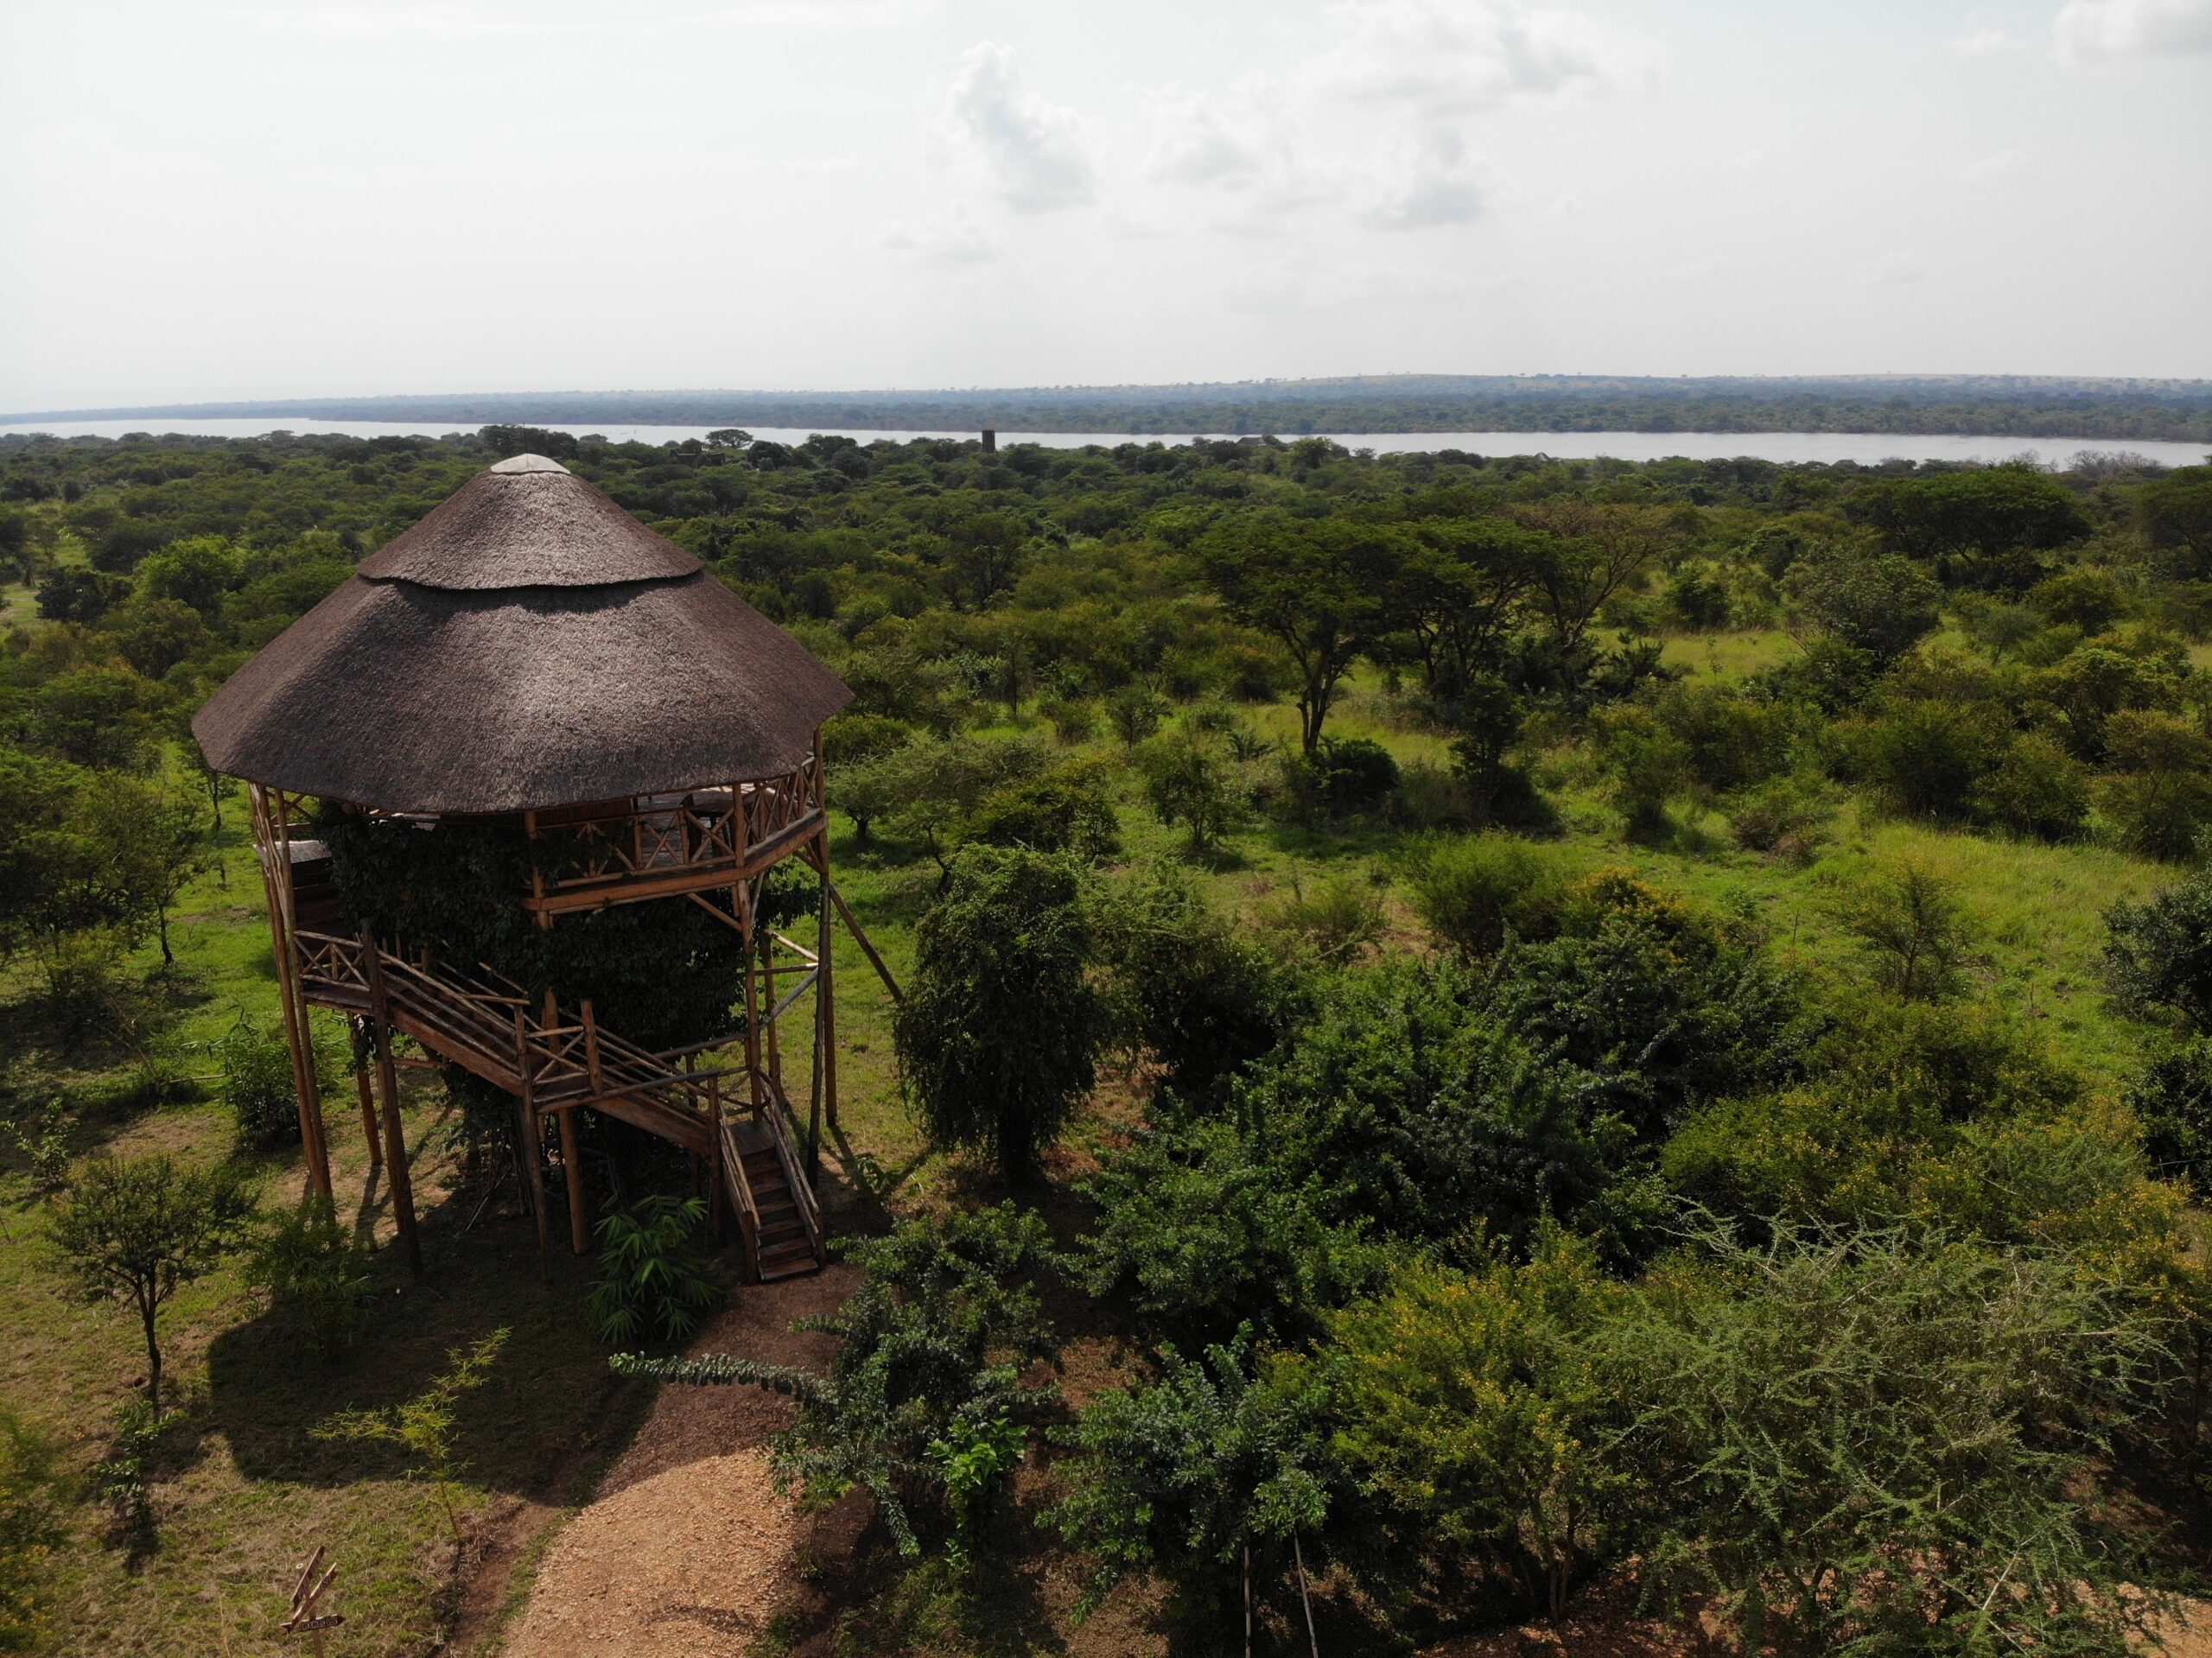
(394, 1151)
(533, 1158)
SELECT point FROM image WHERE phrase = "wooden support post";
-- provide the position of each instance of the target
(533, 1160)
(572, 1159)
(717, 1199)
(395, 1139)
(742, 894)
(365, 1044)
(273, 845)
(825, 1019)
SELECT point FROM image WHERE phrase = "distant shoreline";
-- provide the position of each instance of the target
(2047, 407)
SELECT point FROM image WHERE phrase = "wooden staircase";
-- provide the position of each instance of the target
(554, 1060)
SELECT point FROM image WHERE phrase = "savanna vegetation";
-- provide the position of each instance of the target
(1483, 1038)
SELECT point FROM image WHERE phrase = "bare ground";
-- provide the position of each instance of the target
(687, 1552)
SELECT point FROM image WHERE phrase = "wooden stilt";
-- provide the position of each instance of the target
(717, 1203)
(825, 1016)
(395, 1139)
(364, 1044)
(272, 843)
(533, 1160)
(572, 1161)
(742, 894)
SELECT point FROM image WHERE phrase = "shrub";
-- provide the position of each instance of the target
(1187, 781)
(2172, 1100)
(314, 1271)
(2159, 952)
(1473, 890)
(1432, 797)
(1336, 923)
(1908, 916)
(2161, 799)
(1929, 758)
(257, 1084)
(931, 1353)
(653, 1286)
(1787, 816)
(1191, 1476)
(1064, 810)
(1476, 1407)
(2037, 790)
(1732, 739)
(997, 1036)
(1340, 779)
(428, 1426)
(1647, 765)
(1883, 605)
(1135, 711)
(1073, 719)
(1873, 1444)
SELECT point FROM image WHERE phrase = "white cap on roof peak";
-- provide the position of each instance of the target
(528, 463)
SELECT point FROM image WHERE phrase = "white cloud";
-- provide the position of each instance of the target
(1034, 150)
(1984, 43)
(2087, 29)
(956, 240)
(1989, 169)
(1433, 181)
(1891, 269)
(1441, 57)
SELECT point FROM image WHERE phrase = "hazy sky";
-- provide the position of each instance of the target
(282, 200)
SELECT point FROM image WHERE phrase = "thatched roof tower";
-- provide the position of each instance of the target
(527, 645)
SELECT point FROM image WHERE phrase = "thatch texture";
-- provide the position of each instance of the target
(437, 692)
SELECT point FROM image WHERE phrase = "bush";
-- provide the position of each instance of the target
(1475, 1407)
(653, 1285)
(1786, 816)
(1073, 719)
(314, 1271)
(1732, 739)
(1647, 765)
(1883, 605)
(1908, 916)
(2172, 1100)
(1339, 779)
(2161, 799)
(1929, 758)
(1187, 781)
(1473, 890)
(257, 1082)
(931, 1353)
(1135, 711)
(998, 1033)
(1064, 810)
(1336, 923)
(2159, 952)
(2037, 790)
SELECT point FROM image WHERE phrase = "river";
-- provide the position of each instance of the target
(1867, 448)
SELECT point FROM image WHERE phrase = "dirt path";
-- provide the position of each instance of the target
(687, 1550)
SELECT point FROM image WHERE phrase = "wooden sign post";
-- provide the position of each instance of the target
(306, 1617)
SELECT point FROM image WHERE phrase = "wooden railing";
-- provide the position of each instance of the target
(783, 1124)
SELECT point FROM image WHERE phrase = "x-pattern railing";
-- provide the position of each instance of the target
(707, 829)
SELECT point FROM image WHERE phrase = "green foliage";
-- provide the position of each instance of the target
(1479, 1407)
(1929, 758)
(1001, 1023)
(1065, 808)
(976, 1459)
(653, 1286)
(2160, 955)
(1187, 781)
(258, 1086)
(123, 1478)
(2037, 790)
(1192, 989)
(1475, 891)
(932, 1350)
(1180, 1477)
(1870, 1443)
(135, 1230)
(427, 1427)
(2172, 1099)
(32, 1491)
(1340, 779)
(1985, 510)
(1334, 924)
(1199, 1232)
(314, 1271)
(1647, 765)
(2175, 515)
(1883, 605)
(1786, 816)
(1908, 916)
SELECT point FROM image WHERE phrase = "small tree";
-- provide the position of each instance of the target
(1187, 782)
(153, 842)
(1473, 889)
(1001, 1026)
(1908, 916)
(137, 1230)
(425, 1427)
(652, 1284)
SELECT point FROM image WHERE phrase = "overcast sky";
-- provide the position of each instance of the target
(315, 198)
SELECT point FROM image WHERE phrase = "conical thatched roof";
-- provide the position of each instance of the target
(529, 643)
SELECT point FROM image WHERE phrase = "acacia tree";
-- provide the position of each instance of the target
(1321, 589)
(136, 1230)
(1001, 1027)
